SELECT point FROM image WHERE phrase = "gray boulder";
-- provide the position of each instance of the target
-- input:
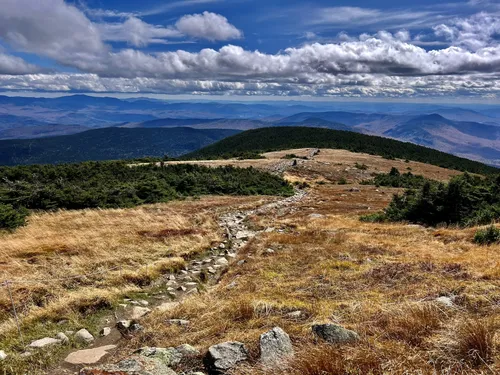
(223, 357)
(84, 337)
(335, 334)
(275, 347)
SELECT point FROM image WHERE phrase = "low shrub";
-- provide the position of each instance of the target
(487, 236)
(12, 218)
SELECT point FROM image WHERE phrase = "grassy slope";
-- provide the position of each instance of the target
(280, 138)
(108, 144)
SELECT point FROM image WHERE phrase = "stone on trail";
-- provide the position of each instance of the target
(42, 343)
(223, 357)
(105, 331)
(275, 347)
(83, 336)
(61, 336)
(138, 312)
(335, 334)
(133, 366)
(88, 356)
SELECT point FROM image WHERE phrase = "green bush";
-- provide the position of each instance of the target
(487, 236)
(378, 217)
(466, 200)
(397, 180)
(12, 218)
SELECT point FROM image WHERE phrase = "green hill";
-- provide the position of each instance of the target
(282, 138)
(108, 144)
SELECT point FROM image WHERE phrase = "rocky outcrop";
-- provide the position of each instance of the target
(275, 347)
(223, 357)
(335, 334)
(132, 366)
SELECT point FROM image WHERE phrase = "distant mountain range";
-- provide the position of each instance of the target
(471, 132)
(108, 144)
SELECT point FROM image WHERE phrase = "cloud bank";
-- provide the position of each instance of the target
(381, 64)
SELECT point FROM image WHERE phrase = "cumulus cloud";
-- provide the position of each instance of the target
(209, 26)
(15, 65)
(51, 28)
(137, 32)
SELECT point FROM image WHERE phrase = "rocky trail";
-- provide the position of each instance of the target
(198, 275)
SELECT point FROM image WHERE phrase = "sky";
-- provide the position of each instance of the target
(388, 49)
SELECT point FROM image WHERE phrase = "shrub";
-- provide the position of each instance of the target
(487, 236)
(378, 217)
(362, 167)
(12, 218)
(342, 181)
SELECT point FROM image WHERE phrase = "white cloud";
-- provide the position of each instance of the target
(209, 26)
(51, 28)
(137, 32)
(15, 65)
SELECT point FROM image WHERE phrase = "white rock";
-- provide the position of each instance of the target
(3, 355)
(222, 262)
(105, 331)
(83, 336)
(446, 301)
(46, 341)
(61, 336)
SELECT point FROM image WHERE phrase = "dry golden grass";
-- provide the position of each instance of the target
(118, 251)
(381, 280)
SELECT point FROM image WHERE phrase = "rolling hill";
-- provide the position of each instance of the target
(108, 144)
(281, 138)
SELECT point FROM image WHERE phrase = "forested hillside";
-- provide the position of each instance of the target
(281, 138)
(108, 144)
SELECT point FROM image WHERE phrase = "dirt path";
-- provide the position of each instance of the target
(199, 273)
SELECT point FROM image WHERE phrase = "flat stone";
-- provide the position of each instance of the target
(88, 356)
(84, 336)
(138, 365)
(42, 343)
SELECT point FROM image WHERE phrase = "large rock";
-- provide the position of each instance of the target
(131, 366)
(88, 356)
(335, 334)
(42, 343)
(223, 357)
(275, 347)
(169, 357)
(84, 337)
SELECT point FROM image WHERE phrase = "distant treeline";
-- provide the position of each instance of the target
(282, 138)
(116, 184)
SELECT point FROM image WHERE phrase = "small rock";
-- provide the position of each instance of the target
(334, 334)
(223, 357)
(167, 356)
(83, 336)
(191, 284)
(222, 262)
(179, 322)
(25, 354)
(46, 341)
(105, 331)
(187, 350)
(3, 355)
(171, 283)
(64, 339)
(143, 302)
(275, 347)
(167, 306)
(316, 216)
(295, 314)
(171, 278)
(269, 251)
(211, 270)
(182, 288)
(241, 262)
(445, 301)
(222, 246)
(123, 325)
(138, 312)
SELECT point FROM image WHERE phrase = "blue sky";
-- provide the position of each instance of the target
(337, 49)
